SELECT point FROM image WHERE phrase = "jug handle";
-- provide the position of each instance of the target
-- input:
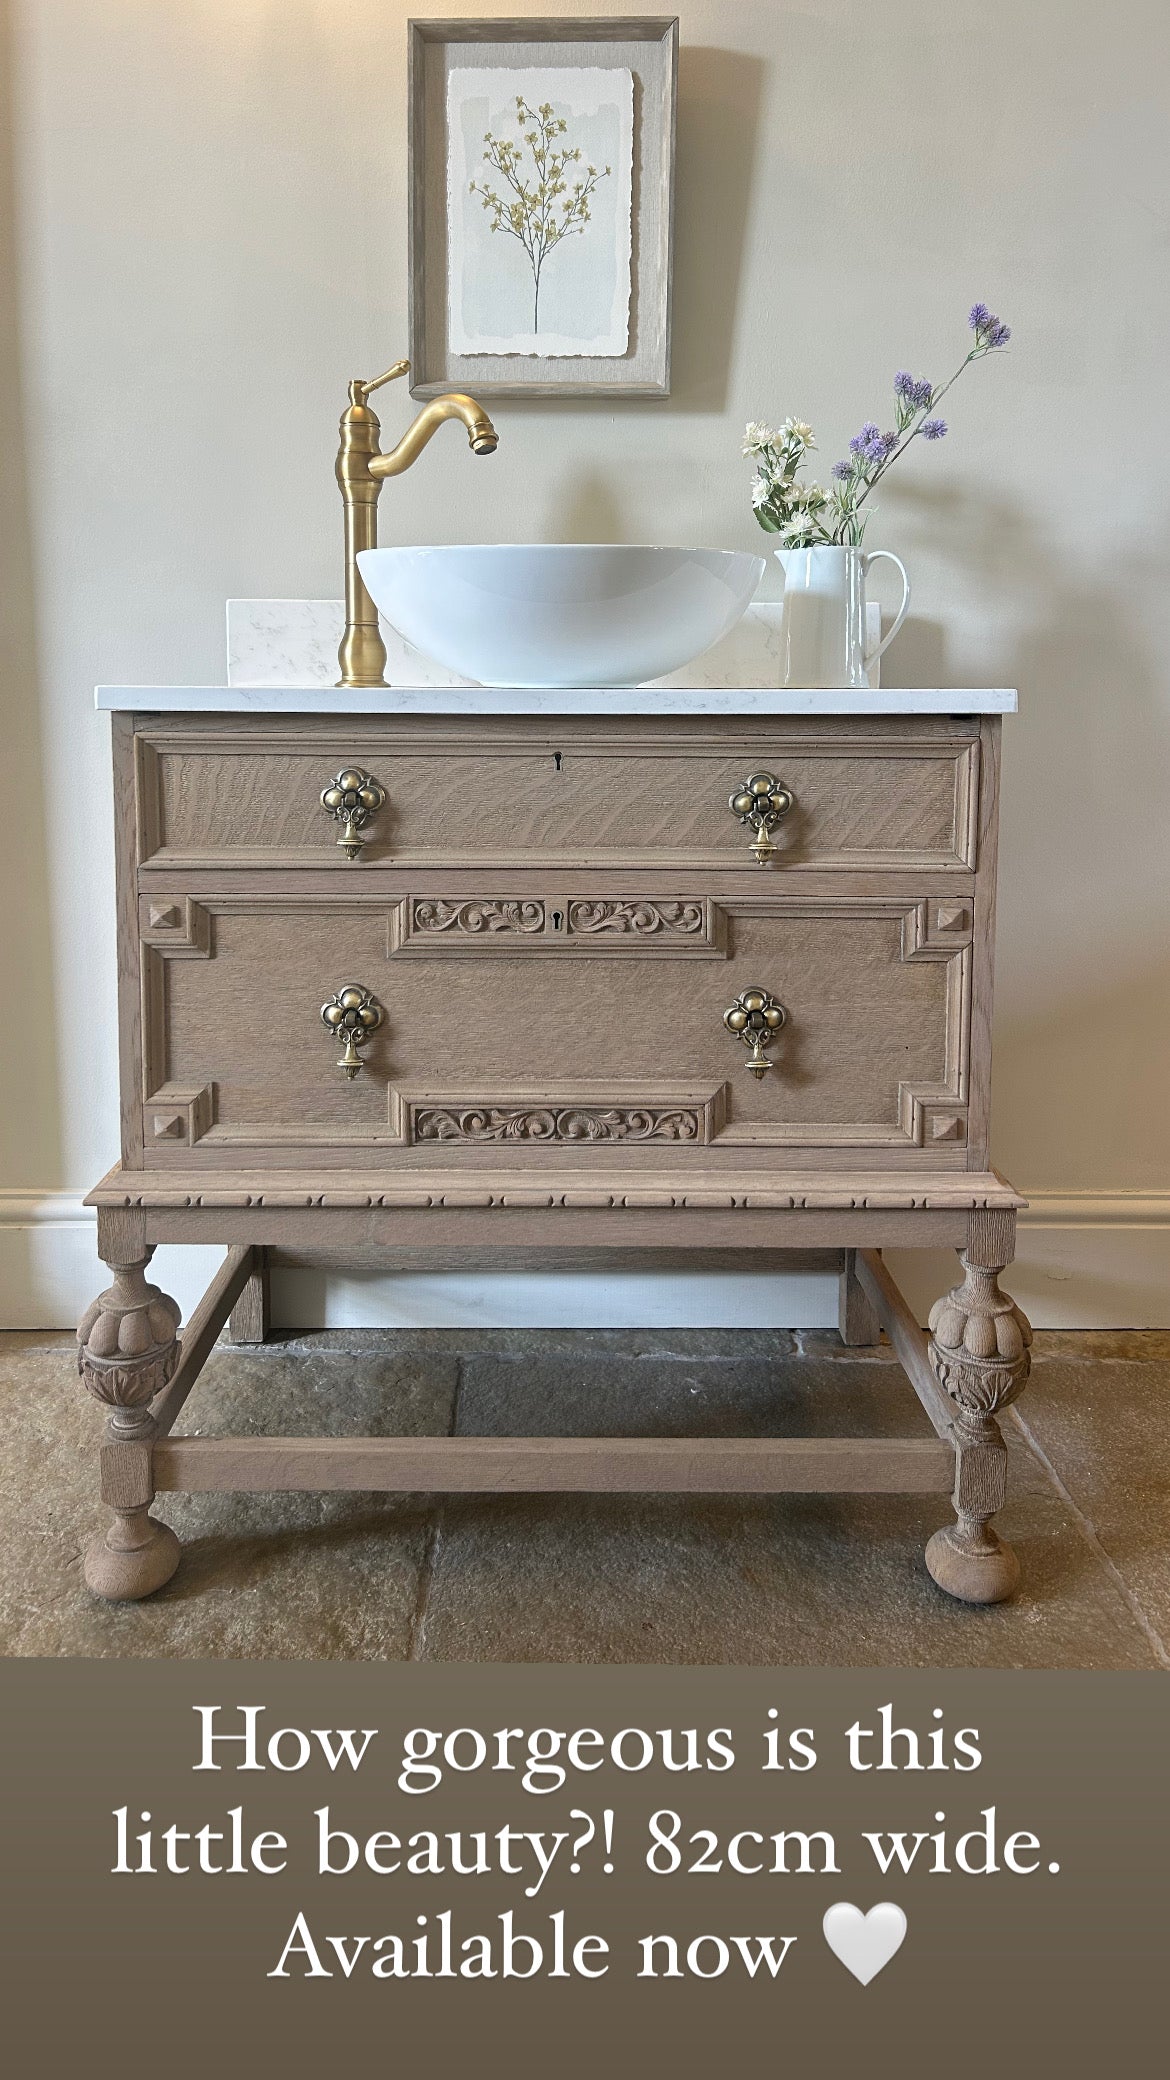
(871, 556)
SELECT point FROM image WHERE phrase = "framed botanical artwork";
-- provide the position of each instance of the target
(542, 206)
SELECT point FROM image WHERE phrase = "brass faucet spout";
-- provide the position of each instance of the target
(481, 434)
(361, 469)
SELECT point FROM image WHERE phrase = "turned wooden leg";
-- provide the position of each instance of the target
(979, 1351)
(857, 1321)
(127, 1351)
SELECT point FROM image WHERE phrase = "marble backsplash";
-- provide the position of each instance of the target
(293, 643)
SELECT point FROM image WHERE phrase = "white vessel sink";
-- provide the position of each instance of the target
(562, 614)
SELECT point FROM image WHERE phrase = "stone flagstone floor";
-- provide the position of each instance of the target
(789, 1580)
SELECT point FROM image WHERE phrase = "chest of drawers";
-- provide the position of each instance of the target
(424, 987)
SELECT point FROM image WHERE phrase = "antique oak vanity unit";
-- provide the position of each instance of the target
(448, 976)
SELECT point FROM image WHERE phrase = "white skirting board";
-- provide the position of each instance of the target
(1086, 1261)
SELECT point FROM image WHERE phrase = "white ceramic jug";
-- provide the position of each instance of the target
(823, 629)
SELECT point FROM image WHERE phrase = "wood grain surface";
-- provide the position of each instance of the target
(871, 794)
(661, 1465)
(554, 918)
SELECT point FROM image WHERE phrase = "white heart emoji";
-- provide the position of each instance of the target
(864, 1943)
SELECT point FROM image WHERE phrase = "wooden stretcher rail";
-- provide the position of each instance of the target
(908, 1340)
(585, 1465)
(199, 1334)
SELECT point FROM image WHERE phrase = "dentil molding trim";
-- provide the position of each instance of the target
(1086, 1260)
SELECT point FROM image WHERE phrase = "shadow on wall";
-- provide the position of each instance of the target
(918, 654)
(30, 1138)
(718, 119)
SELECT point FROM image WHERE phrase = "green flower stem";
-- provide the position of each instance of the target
(807, 516)
(936, 398)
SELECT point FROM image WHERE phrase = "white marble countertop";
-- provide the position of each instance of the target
(558, 700)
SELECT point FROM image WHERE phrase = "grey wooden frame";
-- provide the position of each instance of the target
(649, 45)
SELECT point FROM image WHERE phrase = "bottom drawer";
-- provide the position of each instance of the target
(560, 1021)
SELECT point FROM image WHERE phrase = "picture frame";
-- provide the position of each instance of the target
(541, 205)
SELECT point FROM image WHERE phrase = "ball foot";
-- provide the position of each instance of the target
(136, 1556)
(974, 1565)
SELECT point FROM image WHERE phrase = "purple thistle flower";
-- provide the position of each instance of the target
(989, 330)
(811, 513)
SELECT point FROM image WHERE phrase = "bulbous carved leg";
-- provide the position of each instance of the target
(127, 1351)
(980, 1354)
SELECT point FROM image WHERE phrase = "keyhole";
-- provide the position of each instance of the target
(558, 918)
(557, 760)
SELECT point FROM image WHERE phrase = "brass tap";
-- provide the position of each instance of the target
(361, 466)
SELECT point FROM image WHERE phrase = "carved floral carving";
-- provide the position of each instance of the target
(556, 1123)
(980, 1347)
(586, 917)
(631, 915)
(434, 914)
(127, 1343)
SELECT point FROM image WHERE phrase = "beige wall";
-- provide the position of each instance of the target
(210, 239)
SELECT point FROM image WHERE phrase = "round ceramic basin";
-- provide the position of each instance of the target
(561, 614)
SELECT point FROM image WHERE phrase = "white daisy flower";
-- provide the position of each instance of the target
(757, 437)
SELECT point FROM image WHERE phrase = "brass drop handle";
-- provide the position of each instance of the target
(761, 802)
(352, 1014)
(352, 799)
(755, 1016)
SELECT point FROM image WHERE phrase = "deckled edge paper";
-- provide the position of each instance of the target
(579, 92)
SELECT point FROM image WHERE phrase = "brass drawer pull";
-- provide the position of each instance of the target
(352, 798)
(761, 802)
(352, 1014)
(755, 1016)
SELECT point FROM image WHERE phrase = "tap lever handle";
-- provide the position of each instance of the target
(359, 391)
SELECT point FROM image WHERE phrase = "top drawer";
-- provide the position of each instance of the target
(888, 793)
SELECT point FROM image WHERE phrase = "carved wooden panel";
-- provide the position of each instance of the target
(903, 794)
(636, 918)
(490, 919)
(535, 1054)
(877, 1026)
(174, 1115)
(574, 1123)
(934, 1115)
(557, 924)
